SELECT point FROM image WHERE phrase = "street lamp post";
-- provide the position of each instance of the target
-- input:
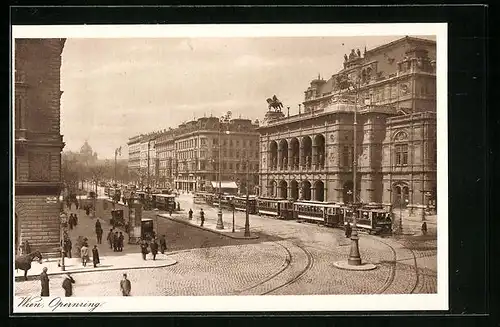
(400, 225)
(354, 256)
(247, 218)
(63, 217)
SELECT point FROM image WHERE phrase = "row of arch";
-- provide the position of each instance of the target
(302, 191)
(292, 154)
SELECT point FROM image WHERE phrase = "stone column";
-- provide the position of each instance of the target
(280, 159)
(315, 161)
(290, 158)
(302, 156)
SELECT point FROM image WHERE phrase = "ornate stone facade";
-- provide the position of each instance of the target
(38, 142)
(391, 88)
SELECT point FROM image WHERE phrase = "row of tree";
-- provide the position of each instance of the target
(76, 169)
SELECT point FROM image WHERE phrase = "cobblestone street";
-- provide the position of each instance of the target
(288, 258)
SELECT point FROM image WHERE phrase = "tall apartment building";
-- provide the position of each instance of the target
(197, 153)
(165, 154)
(309, 156)
(38, 142)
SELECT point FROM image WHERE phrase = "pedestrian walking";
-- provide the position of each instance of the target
(154, 248)
(99, 235)
(97, 225)
(190, 213)
(70, 221)
(110, 238)
(202, 217)
(44, 280)
(67, 285)
(120, 242)
(68, 246)
(95, 256)
(178, 206)
(424, 228)
(75, 219)
(87, 210)
(348, 230)
(84, 253)
(77, 204)
(125, 286)
(144, 249)
(163, 244)
(115, 241)
(26, 247)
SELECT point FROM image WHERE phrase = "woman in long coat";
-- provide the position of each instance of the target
(68, 285)
(44, 279)
(95, 256)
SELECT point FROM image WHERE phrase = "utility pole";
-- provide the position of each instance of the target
(247, 217)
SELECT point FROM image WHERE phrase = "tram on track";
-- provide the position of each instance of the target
(239, 203)
(164, 202)
(371, 220)
(279, 208)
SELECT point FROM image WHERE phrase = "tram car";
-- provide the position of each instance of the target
(279, 208)
(200, 198)
(240, 204)
(371, 220)
(225, 201)
(325, 213)
(164, 202)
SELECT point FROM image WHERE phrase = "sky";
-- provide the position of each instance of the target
(117, 88)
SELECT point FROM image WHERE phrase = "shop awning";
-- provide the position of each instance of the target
(225, 185)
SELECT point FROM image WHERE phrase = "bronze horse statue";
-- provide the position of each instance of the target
(23, 262)
(274, 103)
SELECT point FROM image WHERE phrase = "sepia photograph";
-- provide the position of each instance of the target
(229, 168)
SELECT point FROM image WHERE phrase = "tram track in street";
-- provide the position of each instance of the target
(392, 275)
(289, 260)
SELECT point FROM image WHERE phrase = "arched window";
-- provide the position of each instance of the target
(401, 149)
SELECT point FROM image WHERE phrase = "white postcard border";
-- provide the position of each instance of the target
(416, 302)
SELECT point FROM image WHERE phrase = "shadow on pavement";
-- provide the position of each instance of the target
(184, 237)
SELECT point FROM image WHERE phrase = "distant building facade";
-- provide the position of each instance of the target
(165, 153)
(187, 157)
(309, 156)
(134, 157)
(38, 143)
(197, 153)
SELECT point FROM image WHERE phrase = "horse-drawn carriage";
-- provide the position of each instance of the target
(117, 219)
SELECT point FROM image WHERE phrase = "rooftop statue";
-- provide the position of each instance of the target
(274, 103)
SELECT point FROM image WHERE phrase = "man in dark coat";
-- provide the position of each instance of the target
(70, 221)
(125, 286)
(144, 249)
(44, 279)
(348, 230)
(115, 241)
(121, 238)
(68, 247)
(154, 248)
(26, 247)
(110, 238)
(190, 213)
(98, 231)
(202, 217)
(163, 244)
(68, 285)
(95, 256)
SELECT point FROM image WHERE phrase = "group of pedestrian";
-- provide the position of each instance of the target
(153, 246)
(68, 281)
(98, 231)
(115, 240)
(67, 284)
(72, 220)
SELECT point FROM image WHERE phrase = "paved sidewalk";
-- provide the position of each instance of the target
(130, 258)
(211, 225)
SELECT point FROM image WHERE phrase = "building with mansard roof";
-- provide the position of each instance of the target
(309, 155)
